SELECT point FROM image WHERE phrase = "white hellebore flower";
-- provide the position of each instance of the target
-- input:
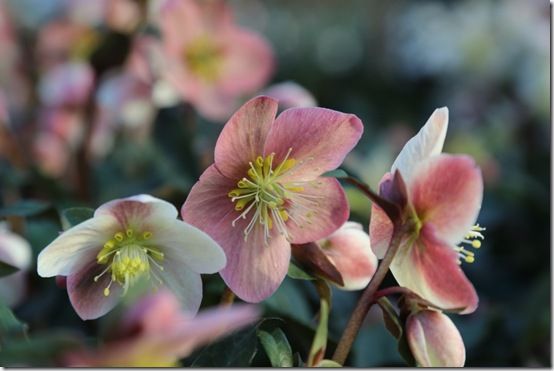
(129, 239)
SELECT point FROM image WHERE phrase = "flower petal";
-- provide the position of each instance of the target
(243, 137)
(183, 282)
(349, 250)
(426, 143)
(447, 191)
(254, 270)
(380, 226)
(320, 209)
(67, 253)
(137, 211)
(183, 243)
(434, 340)
(320, 140)
(248, 61)
(87, 296)
(430, 268)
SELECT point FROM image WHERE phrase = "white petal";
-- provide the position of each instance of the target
(427, 142)
(187, 245)
(184, 283)
(66, 254)
(15, 250)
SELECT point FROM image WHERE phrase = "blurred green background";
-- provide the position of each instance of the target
(391, 63)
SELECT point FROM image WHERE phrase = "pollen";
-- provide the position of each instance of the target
(265, 199)
(128, 257)
(472, 239)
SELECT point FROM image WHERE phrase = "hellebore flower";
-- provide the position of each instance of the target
(129, 239)
(444, 194)
(155, 333)
(290, 95)
(349, 250)
(211, 61)
(15, 251)
(434, 340)
(265, 192)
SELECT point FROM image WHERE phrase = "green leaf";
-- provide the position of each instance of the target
(317, 352)
(390, 317)
(24, 208)
(10, 327)
(75, 215)
(236, 350)
(337, 173)
(328, 363)
(7, 269)
(297, 273)
(276, 347)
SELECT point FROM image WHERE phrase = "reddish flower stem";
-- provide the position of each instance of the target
(391, 291)
(367, 298)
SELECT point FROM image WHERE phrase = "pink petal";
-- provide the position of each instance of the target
(349, 250)
(290, 95)
(254, 270)
(320, 209)
(243, 137)
(135, 212)
(380, 226)
(447, 190)
(248, 62)
(87, 296)
(426, 143)
(434, 340)
(430, 268)
(180, 21)
(320, 140)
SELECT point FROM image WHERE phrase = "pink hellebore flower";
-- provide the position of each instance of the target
(444, 197)
(15, 251)
(265, 191)
(155, 333)
(434, 340)
(211, 61)
(126, 240)
(349, 251)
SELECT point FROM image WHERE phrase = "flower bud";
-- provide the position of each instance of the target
(350, 252)
(434, 340)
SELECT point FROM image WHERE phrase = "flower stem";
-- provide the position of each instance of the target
(367, 298)
(227, 298)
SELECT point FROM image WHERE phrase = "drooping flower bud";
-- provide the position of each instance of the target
(434, 340)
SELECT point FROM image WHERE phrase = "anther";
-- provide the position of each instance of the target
(119, 236)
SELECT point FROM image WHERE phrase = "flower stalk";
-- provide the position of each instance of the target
(367, 298)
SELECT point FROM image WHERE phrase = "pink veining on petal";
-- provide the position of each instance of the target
(380, 226)
(430, 268)
(319, 138)
(243, 137)
(317, 211)
(86, 295)
(447, 191)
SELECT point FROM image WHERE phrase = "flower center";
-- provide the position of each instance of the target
(263, 196)
(472, 239)
(128, 257)
(203, 57)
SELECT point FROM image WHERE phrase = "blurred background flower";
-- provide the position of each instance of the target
(390, 63)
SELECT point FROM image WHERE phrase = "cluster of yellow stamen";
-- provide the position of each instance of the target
(128, 257)
(472, 239)
(204, 59)
(263, 194)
